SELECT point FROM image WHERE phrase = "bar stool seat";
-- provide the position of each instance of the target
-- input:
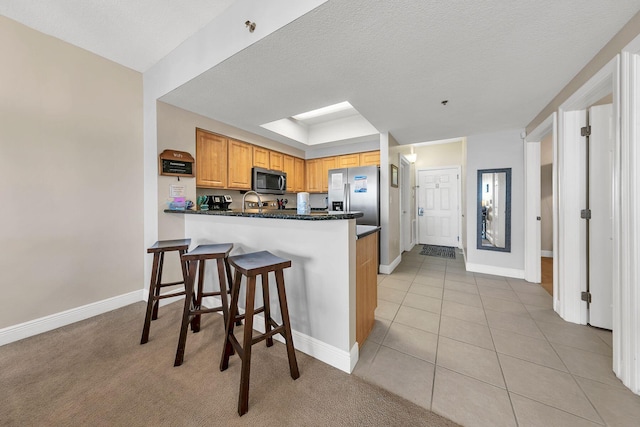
(252, 265)
(158, 250)
(193, 302)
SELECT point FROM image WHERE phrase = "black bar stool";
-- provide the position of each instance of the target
(158, 250)
(252, 265)
(193, 304)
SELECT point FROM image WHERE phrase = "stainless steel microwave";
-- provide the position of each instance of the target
(268, 181)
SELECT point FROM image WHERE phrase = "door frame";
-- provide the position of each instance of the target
(458, 169)
(532, 233)
(572, 268)
(407, 241)
(626, 292)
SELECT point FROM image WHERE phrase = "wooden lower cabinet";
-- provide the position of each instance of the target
(366, 285)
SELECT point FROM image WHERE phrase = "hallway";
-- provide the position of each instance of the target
(489, 351)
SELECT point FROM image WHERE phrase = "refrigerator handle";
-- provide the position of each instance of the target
(346, 201)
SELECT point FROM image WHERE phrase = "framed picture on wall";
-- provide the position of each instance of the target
(394, 176)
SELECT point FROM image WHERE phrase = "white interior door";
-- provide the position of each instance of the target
(601, 148)
(438, 210)
(532, 235)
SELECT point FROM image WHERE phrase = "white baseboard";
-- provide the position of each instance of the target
(496, 271)
(343, 360)
(546, 254)
(57, 320)
(388, 269)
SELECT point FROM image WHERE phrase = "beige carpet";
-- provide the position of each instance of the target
(95, 373)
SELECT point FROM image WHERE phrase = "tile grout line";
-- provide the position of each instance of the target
(506, 386)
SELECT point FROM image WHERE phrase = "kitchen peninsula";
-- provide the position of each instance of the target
(321, 283)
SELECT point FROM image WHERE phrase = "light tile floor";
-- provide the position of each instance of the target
(485, 350)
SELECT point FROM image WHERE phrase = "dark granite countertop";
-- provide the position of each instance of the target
(279, 214)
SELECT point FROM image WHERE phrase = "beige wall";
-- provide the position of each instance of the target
(393, 231)
(437, 155)
(70, 176)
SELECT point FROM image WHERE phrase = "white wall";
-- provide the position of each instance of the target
(70, 177)
(502, 149)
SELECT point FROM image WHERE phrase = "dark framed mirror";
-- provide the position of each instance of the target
(494, 210)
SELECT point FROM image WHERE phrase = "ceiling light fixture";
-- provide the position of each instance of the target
(412, 157)
(323, 111)
(250, 25)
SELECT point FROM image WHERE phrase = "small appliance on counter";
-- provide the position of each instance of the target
(214, 203)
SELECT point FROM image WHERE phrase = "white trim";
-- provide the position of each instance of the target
(340, 359)
(388, 269)
(496, 271)
(546, 254)
(626, 295)
(67, 317)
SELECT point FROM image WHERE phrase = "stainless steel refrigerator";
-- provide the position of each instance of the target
(356, 190)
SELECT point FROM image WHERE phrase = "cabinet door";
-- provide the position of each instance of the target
(314, 175)
(240, 155)
(370, 158)
(366, 285)
(211, 160)
(276, 161)
(327, 164)
(349, 160)
(260, 157)
(289, 167)
(299, 174)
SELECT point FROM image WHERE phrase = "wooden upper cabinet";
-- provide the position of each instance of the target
(370, 158)
(240, 156)
(349, 160)
(289, 167)
(328, 163)
(211, 160)
(260, 157)
(314, 175)
(299, 172)
(276, 161)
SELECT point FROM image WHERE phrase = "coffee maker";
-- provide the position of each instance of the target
(219, 203)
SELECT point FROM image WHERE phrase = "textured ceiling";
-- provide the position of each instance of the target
(134, 33)
(497, 62)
